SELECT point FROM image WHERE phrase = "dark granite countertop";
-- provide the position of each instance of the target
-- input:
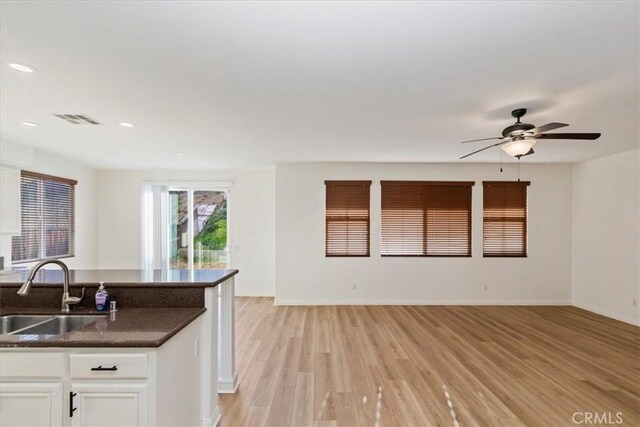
(141, 278)
(129, 327)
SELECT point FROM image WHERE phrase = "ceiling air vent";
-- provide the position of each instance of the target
(78, 119)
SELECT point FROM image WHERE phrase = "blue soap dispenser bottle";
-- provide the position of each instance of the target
(102, 298)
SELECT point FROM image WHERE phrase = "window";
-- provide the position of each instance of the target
(48, 214)
(185, 226)
(424, 218)
(505, 219)
(347, 218)
(197, 229)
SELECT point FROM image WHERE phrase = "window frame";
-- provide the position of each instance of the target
(329, 219)
(191, 251)
(524, 220)
(425, 218)
(42, 178)
(155, 235)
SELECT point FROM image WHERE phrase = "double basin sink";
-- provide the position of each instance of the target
(44, 324)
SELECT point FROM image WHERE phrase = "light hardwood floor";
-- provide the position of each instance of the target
(537, 366)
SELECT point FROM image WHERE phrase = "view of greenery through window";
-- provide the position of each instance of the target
(209, 218)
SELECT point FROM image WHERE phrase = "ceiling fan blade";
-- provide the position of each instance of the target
(483, 139)
(548, 127)
(485, 148)
(588, 136)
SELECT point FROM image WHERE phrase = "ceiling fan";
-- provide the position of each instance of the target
(518, 139)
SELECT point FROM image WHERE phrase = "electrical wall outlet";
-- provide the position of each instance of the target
(354, 286)
(486, 287)
(635, 302)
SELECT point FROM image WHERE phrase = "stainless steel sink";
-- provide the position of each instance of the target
(9, 324)
(44, 325)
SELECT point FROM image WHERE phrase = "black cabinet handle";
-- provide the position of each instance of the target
(100, 368)
(71, 408)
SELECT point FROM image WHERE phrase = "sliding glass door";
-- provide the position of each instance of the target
(187, 227)
(210, 229)
(179, 229)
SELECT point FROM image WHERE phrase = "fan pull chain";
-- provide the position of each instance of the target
(519, 168)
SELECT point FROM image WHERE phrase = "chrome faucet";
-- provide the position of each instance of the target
(67, 300)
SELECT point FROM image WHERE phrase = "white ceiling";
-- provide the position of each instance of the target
(244, 84)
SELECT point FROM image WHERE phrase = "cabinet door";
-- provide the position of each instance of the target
(31, 404)
(9, 201)
(110, 404)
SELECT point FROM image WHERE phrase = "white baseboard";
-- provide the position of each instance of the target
(229, 386)
(635, 322)
(213, 420)
(421, 302)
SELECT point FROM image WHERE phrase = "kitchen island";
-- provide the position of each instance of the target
(168, 319)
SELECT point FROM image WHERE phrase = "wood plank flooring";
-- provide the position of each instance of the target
(395, 366)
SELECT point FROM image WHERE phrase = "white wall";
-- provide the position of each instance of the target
(86, 207)
(606, 232)
(304, 275)
(577, 254)
(251, 215)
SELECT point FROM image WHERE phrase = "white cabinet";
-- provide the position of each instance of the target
(101, 392)
(110, 404)
(109, 366)
(31, 404)
(96, 387)
(31, 388)
(9, 200)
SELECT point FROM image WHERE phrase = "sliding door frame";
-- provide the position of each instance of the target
(157, 210)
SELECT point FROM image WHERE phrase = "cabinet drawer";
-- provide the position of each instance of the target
(25, 364)
(96, 366)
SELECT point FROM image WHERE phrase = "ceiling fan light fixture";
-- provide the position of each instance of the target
(519, 147)
(518, 139)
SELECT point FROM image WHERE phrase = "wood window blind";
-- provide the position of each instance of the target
(505, 219)
(347, 218)
(426, 218)
(48, 218)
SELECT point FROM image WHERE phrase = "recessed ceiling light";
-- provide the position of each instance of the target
(29, 124)
(181, 153)
(126, 124)
(22, 67)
